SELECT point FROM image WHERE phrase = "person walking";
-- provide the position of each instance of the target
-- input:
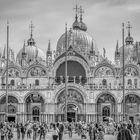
(2, 132)
(55, 132)
(70, 130)
(100, 135)
(61, 130)
(124, 133)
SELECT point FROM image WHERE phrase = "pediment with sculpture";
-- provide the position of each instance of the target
(72, 96)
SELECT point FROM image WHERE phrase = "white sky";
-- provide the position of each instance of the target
(103, 18)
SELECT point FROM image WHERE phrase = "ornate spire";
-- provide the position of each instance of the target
(117, 47)
(82, 24)
(129, 39)
(76, 23)
(31, 41)
(31, 28)
(49, 48)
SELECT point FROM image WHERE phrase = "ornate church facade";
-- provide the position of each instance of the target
(36, 81)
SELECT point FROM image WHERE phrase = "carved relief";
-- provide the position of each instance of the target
(104, 72)
(37, 71)
(73, 95)
(12, 72)
(130, 71)
(11, 109)
(106, 98)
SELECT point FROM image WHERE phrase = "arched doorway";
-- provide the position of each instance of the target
(12, 108)
(132, 107)
(34, 107)
(36, 113)
(75, 106)
(106, 107)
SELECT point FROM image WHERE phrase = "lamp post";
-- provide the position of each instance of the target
(123, 73)
(66, 88)
(6, 114)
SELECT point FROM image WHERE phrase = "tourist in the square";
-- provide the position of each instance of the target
(22, 129)
(18, 131)
(100, 134)
(124, 133)
(92, 131)
(70, 129)
(2, 132)
(9, 133)
(55, 132)
(61, 130)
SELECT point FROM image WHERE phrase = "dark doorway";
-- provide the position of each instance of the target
(11, 119)
(71, 116)
(132, 119)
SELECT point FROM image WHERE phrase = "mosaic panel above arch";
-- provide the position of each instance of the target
(104, 72)
(37, 72)
(11, 99)
(72, 96)
(132, 98)
(106, 98)
(34, 98)
(12, 72)
(131, 71)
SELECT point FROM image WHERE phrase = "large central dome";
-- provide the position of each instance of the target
(80, 40)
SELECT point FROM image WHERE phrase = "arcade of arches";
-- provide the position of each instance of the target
(34, 108)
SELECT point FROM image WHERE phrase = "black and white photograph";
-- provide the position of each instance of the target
(69, 69)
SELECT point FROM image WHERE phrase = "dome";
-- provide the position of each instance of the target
(128, 53)
(32, 52)
(83, 26)
(80, 40)
(129, 40)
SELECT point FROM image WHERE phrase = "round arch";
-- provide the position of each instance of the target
(70, 86)
(34, 93)
(43, 70)
(71, 58)
(14, 95)
(103, 93)
(129, 93)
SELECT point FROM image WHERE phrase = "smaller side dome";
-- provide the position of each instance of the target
(83, 26)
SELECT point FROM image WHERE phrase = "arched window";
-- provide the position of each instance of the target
(106, 111)
(12, 83)
(37, 82)
(129, 82)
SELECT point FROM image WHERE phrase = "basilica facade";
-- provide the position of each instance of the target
(36, 80)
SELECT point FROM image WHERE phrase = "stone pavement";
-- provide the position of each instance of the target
(66, 137)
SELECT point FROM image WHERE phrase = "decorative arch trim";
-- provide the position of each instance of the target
(35, 93)
(70, 86)
(102, 93)
(71, 58)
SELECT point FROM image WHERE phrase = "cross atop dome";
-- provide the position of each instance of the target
(129, 40)
(31, 41)
(81, 11)
(31, 28)
(129, 27)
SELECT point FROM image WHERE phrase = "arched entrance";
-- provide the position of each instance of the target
(106, 107)
(75, 106)
(34, 107)
(12, 108)
(132, 107)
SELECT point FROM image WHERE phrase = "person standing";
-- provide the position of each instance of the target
(2, 132)
(55, 132)
(61, 130)
(70, 130)
(124, 133)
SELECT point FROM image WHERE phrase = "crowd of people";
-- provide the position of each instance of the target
(91, 131)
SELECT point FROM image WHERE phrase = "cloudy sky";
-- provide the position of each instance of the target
(103, 18)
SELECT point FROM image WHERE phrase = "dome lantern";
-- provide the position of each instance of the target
(129, 40)
(31, 41)
(83, 26)
(76, 22)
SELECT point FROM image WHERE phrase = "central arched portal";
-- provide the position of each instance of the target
(106, 107)
(75, 106)
(34, 107)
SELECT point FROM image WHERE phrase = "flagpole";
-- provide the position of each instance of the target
(6, 115)
(66, 88)
(123, 73)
